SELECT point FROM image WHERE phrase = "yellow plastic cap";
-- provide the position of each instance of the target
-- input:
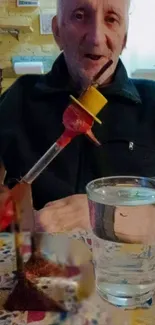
(92, 101)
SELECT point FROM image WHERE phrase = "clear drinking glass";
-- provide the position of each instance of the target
(122, 215)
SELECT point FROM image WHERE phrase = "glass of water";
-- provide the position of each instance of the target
(122, 216)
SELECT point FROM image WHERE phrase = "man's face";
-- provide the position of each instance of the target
(90, 32)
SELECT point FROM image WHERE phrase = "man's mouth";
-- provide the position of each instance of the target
(94, 57)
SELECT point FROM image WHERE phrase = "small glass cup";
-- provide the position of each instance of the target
(122, 216)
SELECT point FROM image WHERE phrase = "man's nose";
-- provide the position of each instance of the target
(97, 34)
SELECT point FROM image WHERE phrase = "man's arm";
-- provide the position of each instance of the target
(10, 102)
(2, 96)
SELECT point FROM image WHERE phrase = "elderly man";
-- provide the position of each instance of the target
(89, 33)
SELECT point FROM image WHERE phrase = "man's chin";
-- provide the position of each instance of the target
(89, 77)
(90, 73)
(85, 77)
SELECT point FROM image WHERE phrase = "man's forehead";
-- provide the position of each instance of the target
(118, 4)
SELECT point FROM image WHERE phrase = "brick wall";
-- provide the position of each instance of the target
(29, 44)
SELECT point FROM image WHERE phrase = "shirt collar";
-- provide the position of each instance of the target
(122, 85)
(58, 80)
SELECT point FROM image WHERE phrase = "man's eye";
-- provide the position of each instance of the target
(79, 15)
(111, 20)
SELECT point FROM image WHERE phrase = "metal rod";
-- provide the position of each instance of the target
(102, 70)
(17, 230)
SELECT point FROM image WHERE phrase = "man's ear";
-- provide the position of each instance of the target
(125, 41)
(55, 30)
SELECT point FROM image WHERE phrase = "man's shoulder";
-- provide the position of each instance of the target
(142, 83)
(20, 86)
(28, 79)
(145, 88)
(11, 101)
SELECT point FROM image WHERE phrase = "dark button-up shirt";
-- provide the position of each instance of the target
(31, 121)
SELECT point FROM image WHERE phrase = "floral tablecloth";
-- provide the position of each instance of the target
(94, 311)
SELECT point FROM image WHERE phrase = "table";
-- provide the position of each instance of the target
(94, 311)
